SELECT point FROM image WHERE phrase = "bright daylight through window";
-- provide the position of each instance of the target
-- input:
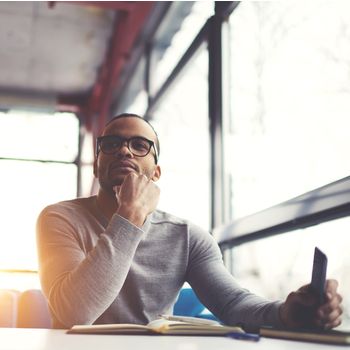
(36, 162)
(288, 130)
(182, 122)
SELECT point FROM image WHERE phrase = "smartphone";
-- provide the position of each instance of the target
(319, 271)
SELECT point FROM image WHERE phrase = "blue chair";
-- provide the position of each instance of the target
(188, 304)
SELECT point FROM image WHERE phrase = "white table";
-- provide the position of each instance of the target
(49, 339)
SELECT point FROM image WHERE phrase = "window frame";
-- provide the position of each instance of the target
(232, 233)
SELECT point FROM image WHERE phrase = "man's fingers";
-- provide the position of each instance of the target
(331, 310)
(331, 315)
(301, 297)
(304, 289)
(332, 303)
(333, 324)
(116, 189)
(301, 308)
(331, 286)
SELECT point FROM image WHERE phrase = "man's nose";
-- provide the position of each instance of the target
(124, 150)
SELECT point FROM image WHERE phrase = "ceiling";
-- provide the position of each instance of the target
(67, 55)
(52, 49)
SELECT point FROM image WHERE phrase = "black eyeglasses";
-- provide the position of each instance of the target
(138, 145)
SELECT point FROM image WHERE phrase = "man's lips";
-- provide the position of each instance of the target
(124, 166)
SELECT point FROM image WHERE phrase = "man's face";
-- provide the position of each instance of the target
(111, 169)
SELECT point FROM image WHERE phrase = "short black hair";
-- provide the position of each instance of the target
(132, 115)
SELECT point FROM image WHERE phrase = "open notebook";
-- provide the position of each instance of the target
(159, 326)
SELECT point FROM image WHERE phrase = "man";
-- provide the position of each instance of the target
(114, 258)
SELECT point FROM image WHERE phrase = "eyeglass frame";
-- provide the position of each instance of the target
(127, 140)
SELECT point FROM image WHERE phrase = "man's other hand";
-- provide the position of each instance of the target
(300, 310)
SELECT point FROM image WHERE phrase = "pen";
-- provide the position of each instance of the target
(243, 336)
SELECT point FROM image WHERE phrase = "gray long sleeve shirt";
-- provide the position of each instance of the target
(95, 271)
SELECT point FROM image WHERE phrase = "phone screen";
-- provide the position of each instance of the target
(319, 271)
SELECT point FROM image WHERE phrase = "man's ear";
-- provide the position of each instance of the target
(156, 174)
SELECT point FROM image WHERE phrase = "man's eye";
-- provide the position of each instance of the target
(140, 145)
(109, 145)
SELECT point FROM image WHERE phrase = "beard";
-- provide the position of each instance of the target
(107, 183)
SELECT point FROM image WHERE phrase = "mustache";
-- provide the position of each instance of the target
(124, 163)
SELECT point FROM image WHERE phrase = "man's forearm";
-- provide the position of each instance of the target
(81, 288)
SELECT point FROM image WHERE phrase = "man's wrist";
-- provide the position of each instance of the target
(136, 217)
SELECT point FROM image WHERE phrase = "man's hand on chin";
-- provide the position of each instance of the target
(137, 197)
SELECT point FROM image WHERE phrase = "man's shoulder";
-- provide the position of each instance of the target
(174, 224)
(69, 205)
(162, 217)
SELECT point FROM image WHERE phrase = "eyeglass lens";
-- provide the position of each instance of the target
(137, 145)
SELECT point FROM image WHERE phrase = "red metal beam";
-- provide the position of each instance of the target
(128, 26)
(129, 23)
(107, 5)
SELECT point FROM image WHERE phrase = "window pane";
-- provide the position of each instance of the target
(290, 265)
(181, 41)
(182, 124)
(134, 93)
(39, 136)
(139, 104)
(290, 100)
(87, 160)
(19, 281)
(288, 132)
(87, 179)
(26, 188)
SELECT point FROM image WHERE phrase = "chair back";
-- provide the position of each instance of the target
(8, 307)
(33, 310)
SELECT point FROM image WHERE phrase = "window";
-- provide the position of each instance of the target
(288, 132)
(37, 166)
(86, 164)
(275, 266)
(180, 116)
(190, 27)
(290, 101)
(183, 127)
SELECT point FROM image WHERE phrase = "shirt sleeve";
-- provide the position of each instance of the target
(80, 286)
(220, 292)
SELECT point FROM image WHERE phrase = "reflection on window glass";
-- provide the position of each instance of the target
(289, 267)
(290, 100)
(182, 124)
(193, 23)
(31, 135)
